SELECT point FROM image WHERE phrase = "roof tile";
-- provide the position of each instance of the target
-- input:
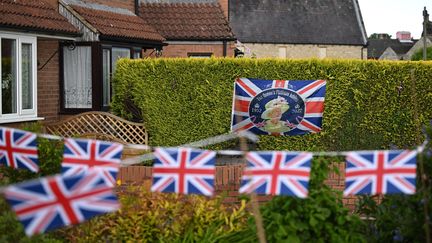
(36, 15)
(112, 24)
(184, 21)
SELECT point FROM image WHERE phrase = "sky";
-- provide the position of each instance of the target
(390, 16)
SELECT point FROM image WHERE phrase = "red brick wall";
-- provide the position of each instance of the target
(224, 5)
(227, 181)
(176, 50)
(48, 86)
(126, 4)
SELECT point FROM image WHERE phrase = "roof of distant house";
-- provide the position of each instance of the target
(34, 15)
(187, 21)
(376, 47)
(124, 25)
(298, 22)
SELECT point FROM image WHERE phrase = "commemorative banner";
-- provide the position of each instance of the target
(278, 107)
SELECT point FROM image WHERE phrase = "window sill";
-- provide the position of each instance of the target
(19, 119)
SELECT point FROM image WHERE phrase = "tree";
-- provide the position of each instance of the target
(418, 55)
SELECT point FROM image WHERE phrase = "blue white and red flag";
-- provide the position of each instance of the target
(184, 171)
(278, 107)
(81, 155)
(52, 202)
(277, 173)
(380, 172)
(18, 149)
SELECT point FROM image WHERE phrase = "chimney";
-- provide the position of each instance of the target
(403, 36)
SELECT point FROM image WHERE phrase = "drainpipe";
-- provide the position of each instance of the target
(137, 7)
(224, 48)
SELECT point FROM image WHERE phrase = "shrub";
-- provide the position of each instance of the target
(185, 100)
(401, 218)
(161, 218)
(418, 55)
(50, 154)
(320, 217)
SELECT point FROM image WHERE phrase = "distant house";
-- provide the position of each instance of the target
(191, 28)
(299, 29)
(385, 48)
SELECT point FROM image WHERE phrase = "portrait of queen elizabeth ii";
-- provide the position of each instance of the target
(274, 109)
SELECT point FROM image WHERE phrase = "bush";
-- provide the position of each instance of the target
(320, 217)
(185, 100)
(418, 55)
(161, 218)
(401, 218)
(50, 153)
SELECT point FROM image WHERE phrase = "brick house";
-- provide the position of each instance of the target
(191, 28)
(298, 29)
(65, 53)
(30, 36)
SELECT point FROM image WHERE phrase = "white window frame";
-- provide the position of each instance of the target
(22, 114)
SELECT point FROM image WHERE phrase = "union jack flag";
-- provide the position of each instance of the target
(81, 155)
(52, 202)
(18, 149)
(301, 106)
(380, 172)
(184, 171)
(277, 173)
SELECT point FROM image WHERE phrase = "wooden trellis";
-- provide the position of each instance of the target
(100, 125)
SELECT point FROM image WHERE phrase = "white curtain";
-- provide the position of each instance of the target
(77, 77)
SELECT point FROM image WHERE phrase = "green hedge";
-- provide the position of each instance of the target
(184, 100)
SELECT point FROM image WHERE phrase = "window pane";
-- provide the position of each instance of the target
(9, 76)
(27, 76)
(106, 73)
(77, 91)
(118, 53)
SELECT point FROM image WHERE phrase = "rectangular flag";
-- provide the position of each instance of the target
(81, 155)
(277, 173)
(184, 171)
(278, 107)
(18, 149)
(380, 172)
(52, 202)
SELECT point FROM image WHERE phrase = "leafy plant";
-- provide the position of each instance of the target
(161, 218)
(401, 218)
(320, 217)
(418, 55)
(50, 153)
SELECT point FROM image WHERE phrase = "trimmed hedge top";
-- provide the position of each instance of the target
(368, 104)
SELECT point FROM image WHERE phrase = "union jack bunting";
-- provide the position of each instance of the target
(380, 172)
(18, 149)
(81, 155)
(278, 107)
(277, 173)
(52, 202)
(184, 171)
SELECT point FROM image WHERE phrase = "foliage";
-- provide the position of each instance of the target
(401, 218)
(50, 154)
(320, 217)
(368, 104)
(380, 35)
(11, 230)
(418, 55)
(161, 218)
